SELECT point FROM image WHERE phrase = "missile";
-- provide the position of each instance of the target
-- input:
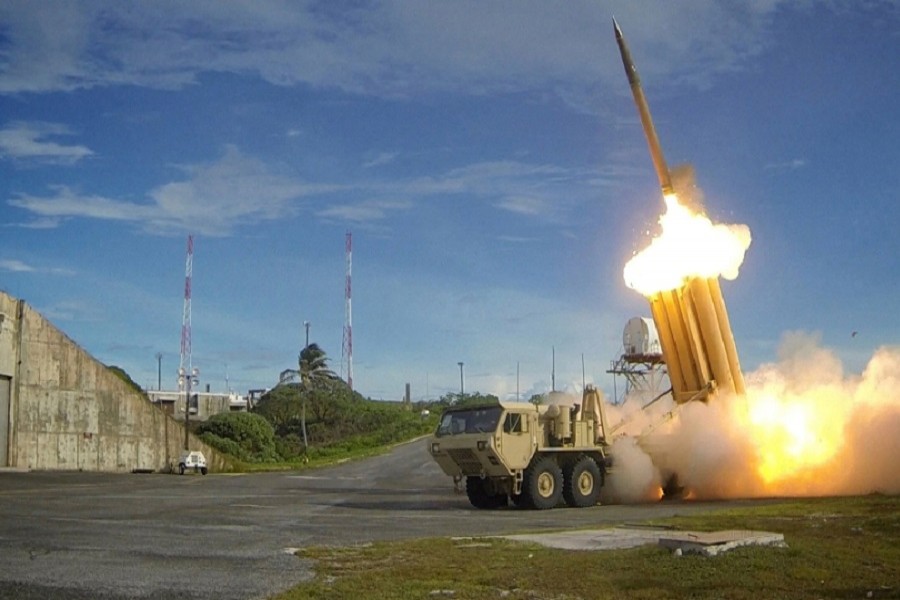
(659, 162)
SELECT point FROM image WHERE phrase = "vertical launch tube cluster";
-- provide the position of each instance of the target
(697, 343)
(694, 330)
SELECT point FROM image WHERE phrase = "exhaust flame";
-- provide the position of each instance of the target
(690, 245)
(802, 428)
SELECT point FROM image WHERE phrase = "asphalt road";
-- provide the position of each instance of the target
(90, 535)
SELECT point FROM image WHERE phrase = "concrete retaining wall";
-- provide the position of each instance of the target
(68, 411)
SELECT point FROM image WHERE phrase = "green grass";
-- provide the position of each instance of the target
(837, 548)
(318, 458)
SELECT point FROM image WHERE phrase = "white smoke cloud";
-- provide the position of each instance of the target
(803, 429)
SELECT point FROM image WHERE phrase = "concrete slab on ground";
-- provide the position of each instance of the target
(707, 543)
(716, 542)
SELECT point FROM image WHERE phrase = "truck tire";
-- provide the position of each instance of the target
(481, 496)
(582, 483)
(181, 469)
(543, 483)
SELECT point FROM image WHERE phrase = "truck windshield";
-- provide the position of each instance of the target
(476, 420)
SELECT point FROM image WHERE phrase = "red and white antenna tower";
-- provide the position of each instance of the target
(347, 346)
(185, 367)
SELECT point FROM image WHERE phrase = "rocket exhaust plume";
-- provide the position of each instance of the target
(795, 427)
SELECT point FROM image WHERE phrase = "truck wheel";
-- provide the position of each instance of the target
(481, 496)
(542, 487)
(582, 483)
(203, 470)
(181, 469)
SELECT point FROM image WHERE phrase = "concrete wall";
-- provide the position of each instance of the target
(68, 411)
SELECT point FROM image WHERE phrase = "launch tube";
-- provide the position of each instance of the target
(673, 363)
(687, 358)
(694, 334)
(713, 343)
(727, 336)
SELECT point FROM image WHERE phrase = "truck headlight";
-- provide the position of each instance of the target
(482, 445)
(435, 448)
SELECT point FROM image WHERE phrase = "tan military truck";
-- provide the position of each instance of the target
(534, 455)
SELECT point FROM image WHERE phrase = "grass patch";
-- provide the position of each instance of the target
(837, 548)
(318, 458)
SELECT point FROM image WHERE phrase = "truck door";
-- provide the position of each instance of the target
(516, 441)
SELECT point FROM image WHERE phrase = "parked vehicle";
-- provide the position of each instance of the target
(192, 460)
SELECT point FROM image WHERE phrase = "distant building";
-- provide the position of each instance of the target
(203, 404)
(254, 396)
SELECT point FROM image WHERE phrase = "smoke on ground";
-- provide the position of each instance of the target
(803, 429)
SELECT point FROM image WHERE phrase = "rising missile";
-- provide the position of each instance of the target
(662, 171)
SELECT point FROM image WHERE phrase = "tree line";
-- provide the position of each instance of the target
(311, 413)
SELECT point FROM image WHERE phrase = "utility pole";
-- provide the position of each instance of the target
(553, 371)
(462, 381)
(306, 326)
(159, 370)
(188, 381)
(583, 381)
(347, 344)
(517, 381)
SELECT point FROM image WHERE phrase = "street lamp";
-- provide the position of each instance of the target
(462, 381)
(188, 381)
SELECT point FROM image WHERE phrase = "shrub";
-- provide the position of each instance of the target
(290, 446)
(251, 435)
(224, 445)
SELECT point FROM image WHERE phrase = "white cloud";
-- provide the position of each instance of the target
(379, 159)
(213, 200)
(67, 203)
(364, 212)
(16, 266)
(515, 239)
(391, 48)
(523, 205)
(238, 190)
(29, 141)
(789, 165)
(234, 190)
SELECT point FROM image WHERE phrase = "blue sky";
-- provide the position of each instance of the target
(486, 156)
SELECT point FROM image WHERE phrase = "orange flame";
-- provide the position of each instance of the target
(793, 434)
(801, 428)
(689, 245)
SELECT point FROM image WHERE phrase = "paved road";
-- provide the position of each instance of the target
(91, 535)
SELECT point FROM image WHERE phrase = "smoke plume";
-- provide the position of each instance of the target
(803, 429)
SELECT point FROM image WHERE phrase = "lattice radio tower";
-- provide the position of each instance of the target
(347, 346)
(185, 367)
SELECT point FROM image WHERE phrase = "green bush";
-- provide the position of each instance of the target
(224, 445)
(252, 436)
(290, 446)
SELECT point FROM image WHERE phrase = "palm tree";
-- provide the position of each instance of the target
(313, 372)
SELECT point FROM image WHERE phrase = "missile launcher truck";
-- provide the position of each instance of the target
(533, 455)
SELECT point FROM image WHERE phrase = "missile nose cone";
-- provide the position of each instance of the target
(617, 29)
